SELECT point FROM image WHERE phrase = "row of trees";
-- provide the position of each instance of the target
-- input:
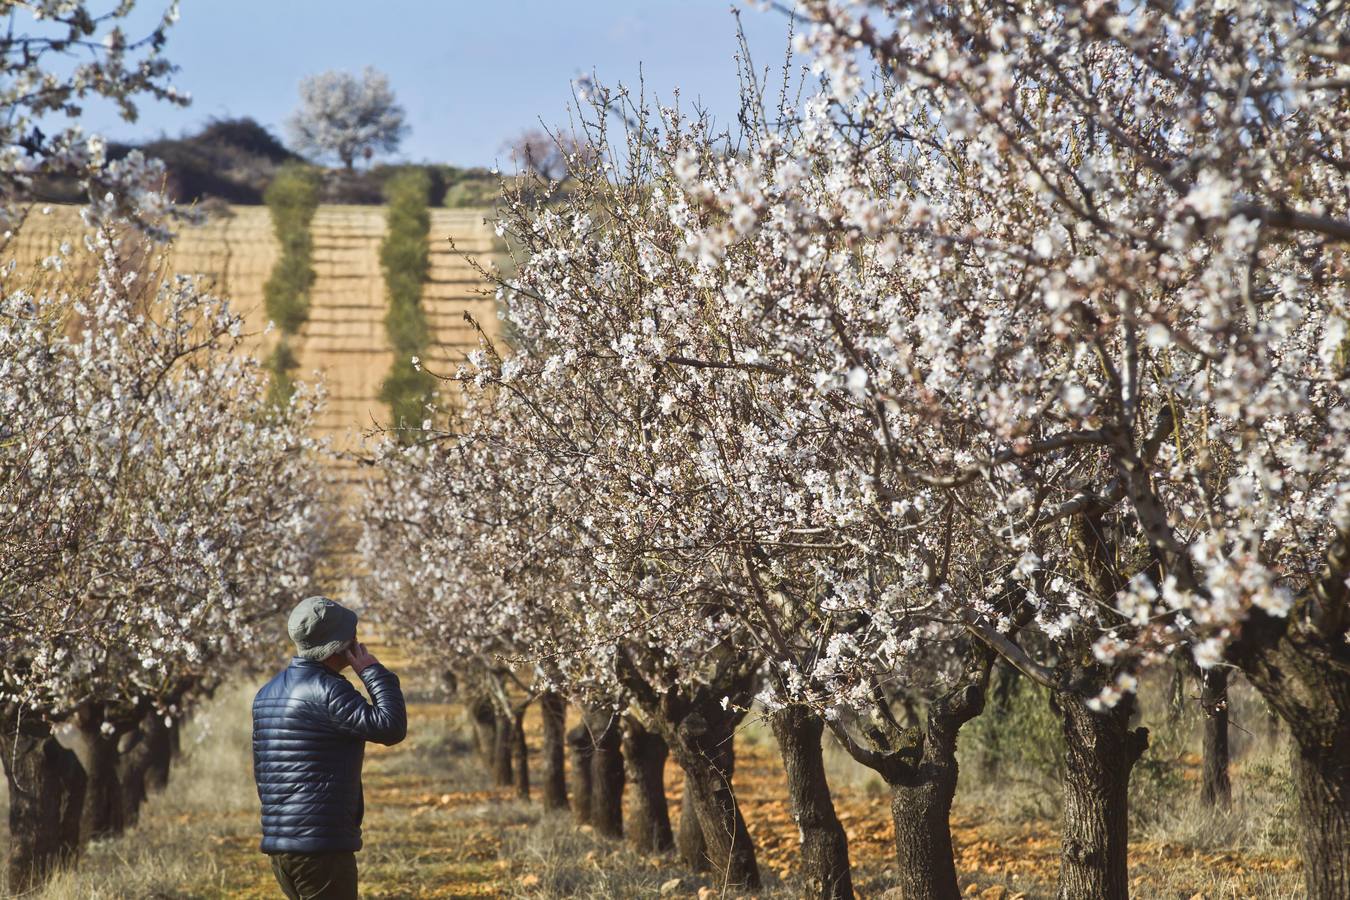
(160, 515)
(1019, 333)
(404, 261)
(292, 199)
(157, 514)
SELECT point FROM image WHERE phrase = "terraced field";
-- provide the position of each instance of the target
(344, 341)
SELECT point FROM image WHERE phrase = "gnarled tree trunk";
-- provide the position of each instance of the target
(503, 746)
(644, 759)
(159, 749)
(689, 843)
(606, 774)
(921, 811)
(484, 715)
(46, 798)
(1215, 788)
(133, 762)
(554, 712)
(921, 803)
(824, 855)
(1322, 781)
(698, 723)
(919, 766)
(1100, 749)
(104, 810)
(702, 747)
(520, 753)
(1305, 677)
(581, 748)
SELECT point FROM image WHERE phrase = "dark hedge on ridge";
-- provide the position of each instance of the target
(404, 260)
(292, 199)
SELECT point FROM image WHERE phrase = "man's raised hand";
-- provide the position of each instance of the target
(360, 657)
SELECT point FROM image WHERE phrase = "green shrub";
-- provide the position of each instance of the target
(407, 391)
(471, 191)
(292, 198)
(1012, 756)
(403, 259)
(282, 363)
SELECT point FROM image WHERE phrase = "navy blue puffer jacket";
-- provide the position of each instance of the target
(310, 728)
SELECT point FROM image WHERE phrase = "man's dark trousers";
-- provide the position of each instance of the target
(316, 876)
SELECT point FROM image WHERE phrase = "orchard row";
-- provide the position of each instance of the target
(1006, 332)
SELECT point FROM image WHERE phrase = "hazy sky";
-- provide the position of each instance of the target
(470, 74)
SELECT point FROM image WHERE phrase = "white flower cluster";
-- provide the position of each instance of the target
(157, 516)
(54, 55)
(1045, 350)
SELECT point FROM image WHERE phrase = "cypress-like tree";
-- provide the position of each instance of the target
(403, 258)
(292, 198)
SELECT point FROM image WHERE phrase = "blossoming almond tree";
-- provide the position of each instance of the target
(55, 55)
(346, 116)
(1110, 247)
(159, 517)
(1031, 345)
(848, 567)
(508, 563)
(445, 565)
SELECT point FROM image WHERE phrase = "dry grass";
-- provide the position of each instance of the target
(185, 833)
(436, 829)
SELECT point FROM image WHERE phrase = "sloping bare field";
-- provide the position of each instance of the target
(344, 341)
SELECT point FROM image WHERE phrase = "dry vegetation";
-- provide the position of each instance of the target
(436, 829)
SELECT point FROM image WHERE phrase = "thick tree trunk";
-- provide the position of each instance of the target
(921, 811)
(824, 855)
(1322, 781)
(502, 748)
(554, 712)
(644, 760)
(484, 715)
(46, 798)
(607, 775)
(697, 724)
(919, 765)
(1215, 788)
(1301, 666)
(104, 812)
(921, 804)
(1100, 750)
(689, 843)
(133, 762)
(159, 747)
(703, 750)
(520, 754)
(581, 749)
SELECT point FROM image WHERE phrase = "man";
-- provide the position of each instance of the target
(310, 728)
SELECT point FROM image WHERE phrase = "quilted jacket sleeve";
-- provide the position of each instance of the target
(384, 722)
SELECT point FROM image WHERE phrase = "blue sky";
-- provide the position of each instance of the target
(470, 74)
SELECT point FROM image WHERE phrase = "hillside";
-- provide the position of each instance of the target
(233, 160)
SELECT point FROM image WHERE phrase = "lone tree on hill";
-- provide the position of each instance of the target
(346, 116)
